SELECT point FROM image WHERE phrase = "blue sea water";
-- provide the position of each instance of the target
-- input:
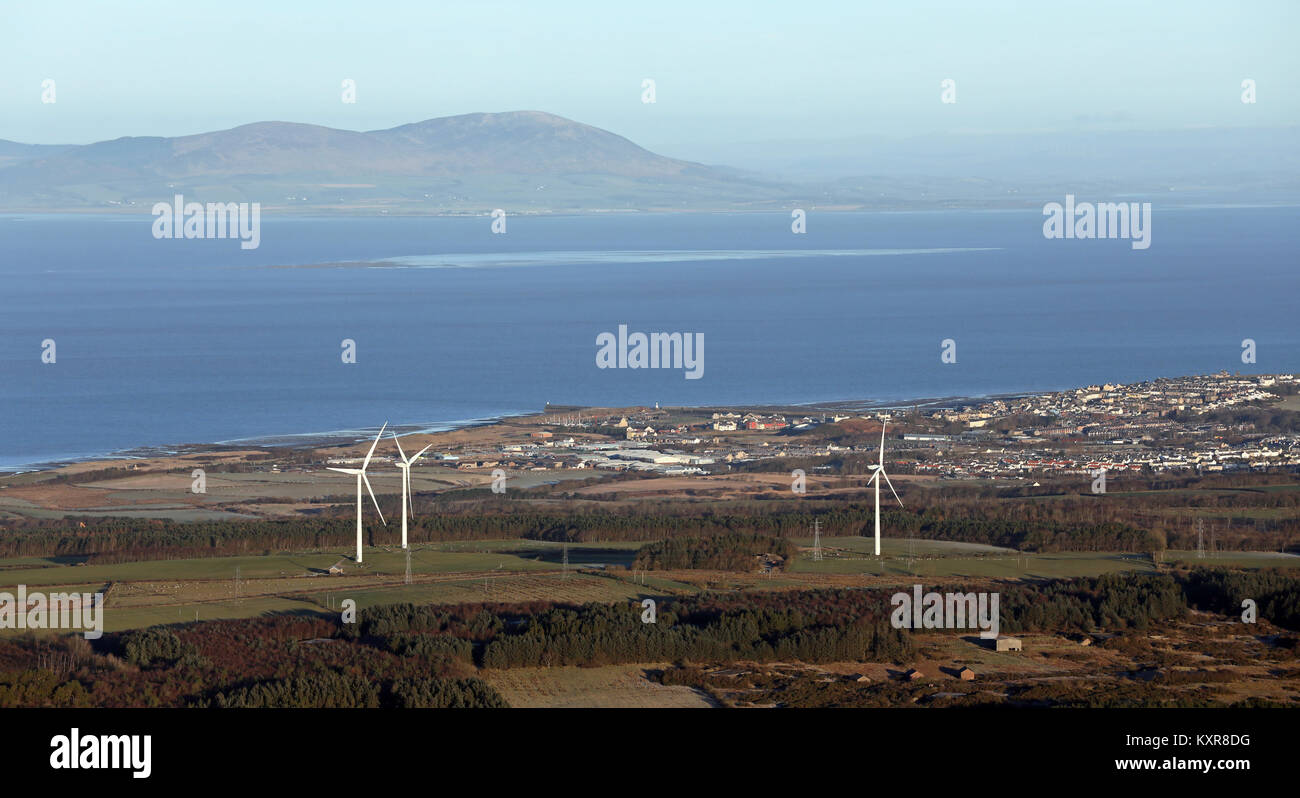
(163, 342)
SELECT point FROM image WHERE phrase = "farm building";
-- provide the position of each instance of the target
(913, 675)
(966, 675)
(1008, 644)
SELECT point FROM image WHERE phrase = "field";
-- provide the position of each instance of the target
(946, 559)
(508, 571)
(733, 486)
(1201, 658)
(608, 686)
(172, 591)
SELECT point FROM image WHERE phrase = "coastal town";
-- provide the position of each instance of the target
(1197, 424)
(1179, 427)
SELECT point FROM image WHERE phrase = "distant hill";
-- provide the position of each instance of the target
(530, 161)
(469, 162)
(11, 152)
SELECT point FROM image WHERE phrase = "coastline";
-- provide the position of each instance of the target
(344, 437)
(293, 440)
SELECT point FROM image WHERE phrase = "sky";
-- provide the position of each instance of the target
(724, 71)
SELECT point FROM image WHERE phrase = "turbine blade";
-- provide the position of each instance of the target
(366, 479)
(373, 445)
(421, 453)
(398, 441)
(891, 487)
(410, 497)
(882, 444)
(350, 471)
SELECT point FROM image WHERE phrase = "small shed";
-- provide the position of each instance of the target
(1008, 644)
(966, 675)
(913, 675)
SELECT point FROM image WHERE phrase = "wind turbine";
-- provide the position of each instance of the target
(879, 470)
(405, 465)
(360, 474)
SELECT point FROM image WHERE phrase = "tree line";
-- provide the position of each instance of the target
(327, 689)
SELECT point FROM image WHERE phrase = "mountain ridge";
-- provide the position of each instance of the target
(457, 159)
(534, 161)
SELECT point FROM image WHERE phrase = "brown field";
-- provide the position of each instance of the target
(608, 686)
(259, 494)
(1201, 643)
(730, 486)
(162, 488)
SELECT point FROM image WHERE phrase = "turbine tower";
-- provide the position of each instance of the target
(360, 474)
(879, 470)
(405, 465)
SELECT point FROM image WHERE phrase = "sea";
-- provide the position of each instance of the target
(162, 343)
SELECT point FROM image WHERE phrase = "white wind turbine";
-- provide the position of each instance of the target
(879, 470)
(360, 474)
(405, 465)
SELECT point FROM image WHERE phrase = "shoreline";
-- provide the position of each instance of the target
(293, 440)
(344, 437)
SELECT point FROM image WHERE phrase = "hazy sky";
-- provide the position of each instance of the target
(724, 71)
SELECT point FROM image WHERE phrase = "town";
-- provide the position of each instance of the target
(1166, 425)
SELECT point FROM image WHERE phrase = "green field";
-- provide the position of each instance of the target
(894, 547)
(843, 555)
(1025, 566)
(425, 559)
(181, 590)
(510, 571)
(577, 588)
(1234, 559)
(119, 619)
